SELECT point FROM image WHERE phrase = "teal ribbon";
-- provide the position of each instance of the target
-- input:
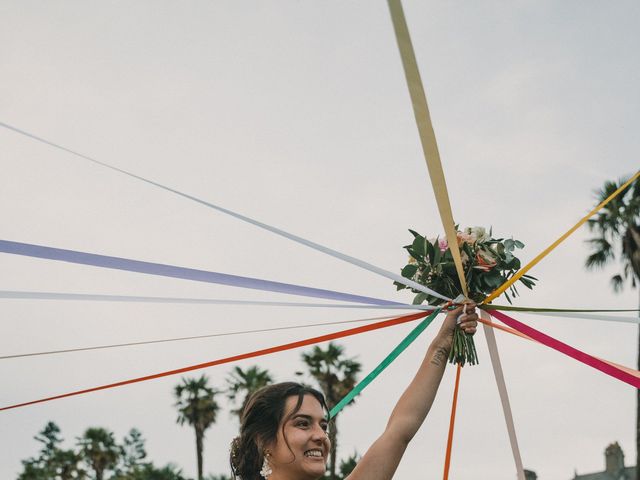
(384, 364)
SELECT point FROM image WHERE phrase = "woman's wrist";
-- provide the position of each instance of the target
(443, 340)
(439, 350)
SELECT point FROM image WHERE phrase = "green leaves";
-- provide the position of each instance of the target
(487, 262)
(493, 279)
(528, 281)
(419, 298)
(419, 247)
(409, 271)
(399, 286)
(437, 256)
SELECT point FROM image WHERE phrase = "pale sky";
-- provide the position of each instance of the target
(297, 113)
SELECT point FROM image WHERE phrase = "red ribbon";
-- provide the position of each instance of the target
(235, 358)
(567, 349)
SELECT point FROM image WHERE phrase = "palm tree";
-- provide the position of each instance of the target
(242, 383)
(197, 407)
(336, 376)
(617, 237)
(99, 450)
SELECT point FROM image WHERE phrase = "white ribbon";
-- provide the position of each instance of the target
(180, 339)
(92, 297)
(587, 316)
(502, 390)
(316, 246)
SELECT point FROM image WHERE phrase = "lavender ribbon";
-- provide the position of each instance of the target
(118, 263)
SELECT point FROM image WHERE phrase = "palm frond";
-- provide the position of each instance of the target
(599, 243)
(617, 282)
(617, 224)
(597, 259)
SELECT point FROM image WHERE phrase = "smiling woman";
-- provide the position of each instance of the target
(283, 429)
(282, 426)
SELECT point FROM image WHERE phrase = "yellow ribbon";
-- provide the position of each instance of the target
(427, 135)
(548, 250)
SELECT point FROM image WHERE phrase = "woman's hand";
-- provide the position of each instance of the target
(382, 459)
(468, 323)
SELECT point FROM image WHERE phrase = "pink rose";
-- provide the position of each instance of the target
(464, 237)
(485, 261)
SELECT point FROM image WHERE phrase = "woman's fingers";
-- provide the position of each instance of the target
(469, 330)
(468, 319)
(464, 316)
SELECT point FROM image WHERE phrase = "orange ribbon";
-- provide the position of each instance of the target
(452, 421)
(235, 358)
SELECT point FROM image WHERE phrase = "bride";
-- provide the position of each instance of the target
(284, 427)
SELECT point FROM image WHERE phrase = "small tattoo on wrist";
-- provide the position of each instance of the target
(439, 356)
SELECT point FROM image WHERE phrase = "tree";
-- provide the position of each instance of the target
(50, 438)
(32, 470)
(52, 462)
(197, 407)
(168, 472)
(617, 237)
(336, 376)
(242, 383)
(149, 472)
(43, 465)
(131, 465)
(133, 451)
(66, 465)
(347, 465)
(99, 450)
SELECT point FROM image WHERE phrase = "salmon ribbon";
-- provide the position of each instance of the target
(234, 358)
(490, 337)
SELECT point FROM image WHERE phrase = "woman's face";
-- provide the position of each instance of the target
(305, 457)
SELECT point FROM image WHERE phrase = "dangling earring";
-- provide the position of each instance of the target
(266, 470)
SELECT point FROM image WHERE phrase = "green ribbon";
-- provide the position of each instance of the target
(490, 306)
(384, 364)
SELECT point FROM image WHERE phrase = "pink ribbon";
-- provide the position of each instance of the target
(585, 358)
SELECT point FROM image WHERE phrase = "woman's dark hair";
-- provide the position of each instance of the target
(261, 416)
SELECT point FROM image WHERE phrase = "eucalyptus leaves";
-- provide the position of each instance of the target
(487, 263)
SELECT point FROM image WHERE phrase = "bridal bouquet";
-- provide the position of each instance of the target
(487, 262)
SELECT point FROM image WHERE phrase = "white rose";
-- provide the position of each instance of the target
(480, 233)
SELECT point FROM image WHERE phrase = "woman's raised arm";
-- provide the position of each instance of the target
(382, 458)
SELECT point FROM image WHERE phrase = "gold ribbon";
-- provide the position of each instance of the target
(427, 135)
(562, 238)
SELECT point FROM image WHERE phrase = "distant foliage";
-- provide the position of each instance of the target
(97, 456)
(348, 464)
